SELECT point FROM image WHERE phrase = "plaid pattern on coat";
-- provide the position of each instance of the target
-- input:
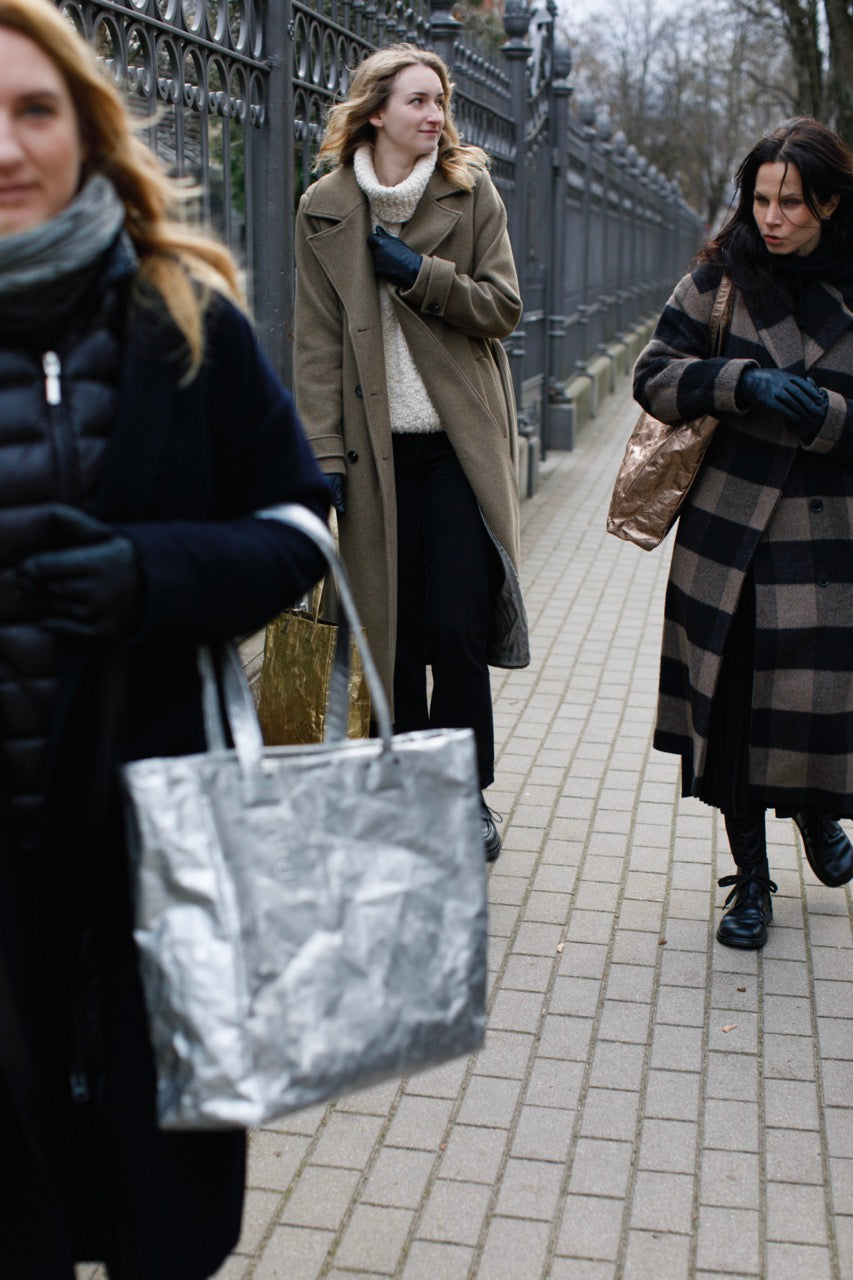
(761, 499)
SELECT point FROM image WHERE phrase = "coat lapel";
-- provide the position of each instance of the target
(340, 202)
(797, 344)
(339, 205)
(781, 338)
(828, 320)
(433, 220)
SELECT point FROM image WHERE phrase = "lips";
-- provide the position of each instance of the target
(12, 193)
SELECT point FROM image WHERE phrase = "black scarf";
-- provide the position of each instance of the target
(800, 276)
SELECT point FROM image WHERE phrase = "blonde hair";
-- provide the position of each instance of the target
(177, 266)
(348, 123)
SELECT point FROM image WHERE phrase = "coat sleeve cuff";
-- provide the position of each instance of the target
(832, 428)
(726, 384)
(431, 289)
(329, 452)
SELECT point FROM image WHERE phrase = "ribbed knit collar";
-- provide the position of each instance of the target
(392, 205)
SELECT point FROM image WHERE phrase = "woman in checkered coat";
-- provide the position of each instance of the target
(756, 683)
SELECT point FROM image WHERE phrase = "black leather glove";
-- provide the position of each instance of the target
(92, 586)
(392, 259)
(800, 401)
(338, 489)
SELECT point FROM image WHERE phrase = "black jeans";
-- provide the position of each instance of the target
(446, 574)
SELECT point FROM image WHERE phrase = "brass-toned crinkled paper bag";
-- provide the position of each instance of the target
(299, 654)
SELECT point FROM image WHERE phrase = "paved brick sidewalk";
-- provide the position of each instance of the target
(649, 1105)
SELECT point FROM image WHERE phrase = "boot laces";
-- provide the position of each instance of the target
(489, 812)
(744, 877)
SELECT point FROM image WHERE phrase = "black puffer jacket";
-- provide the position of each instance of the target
(57, 409)
(86, 1172)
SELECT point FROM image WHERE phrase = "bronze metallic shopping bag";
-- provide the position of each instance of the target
(299, 658)
(662, 460)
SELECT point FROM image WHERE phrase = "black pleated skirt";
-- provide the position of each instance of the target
(725, 784)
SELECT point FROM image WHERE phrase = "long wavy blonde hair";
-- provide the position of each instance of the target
(348, 122)
(178, 267)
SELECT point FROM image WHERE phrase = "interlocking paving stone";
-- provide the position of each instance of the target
(293, 1254)
(731, 1179)
(454, 1211)
(663, 1202)
(374, 1239)
(729, 1240)
(648, 1105)
(398, 1178)
(428, 1260)
(513, 1248)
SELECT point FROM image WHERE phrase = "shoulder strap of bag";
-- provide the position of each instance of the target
(721, 313)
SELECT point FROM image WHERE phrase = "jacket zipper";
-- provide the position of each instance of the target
(52, 369)
(80, 1091)
(60, 428)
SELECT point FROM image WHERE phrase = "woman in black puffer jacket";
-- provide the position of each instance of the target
(140, 428)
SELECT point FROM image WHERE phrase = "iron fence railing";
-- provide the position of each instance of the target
(233, 95)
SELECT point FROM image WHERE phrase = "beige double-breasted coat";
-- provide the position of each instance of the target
(464, 300)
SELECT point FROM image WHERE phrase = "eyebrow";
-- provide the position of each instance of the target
(29, 95)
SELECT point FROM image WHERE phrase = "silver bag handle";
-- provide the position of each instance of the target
(299, 517)
(240, 714)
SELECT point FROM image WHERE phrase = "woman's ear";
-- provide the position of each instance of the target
(828, 209)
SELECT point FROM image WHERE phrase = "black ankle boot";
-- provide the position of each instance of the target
(745, 924)
(827, 847)
(491, 838)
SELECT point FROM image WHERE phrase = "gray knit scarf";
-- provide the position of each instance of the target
(76, 237)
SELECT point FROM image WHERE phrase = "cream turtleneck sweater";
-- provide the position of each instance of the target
(391, 207)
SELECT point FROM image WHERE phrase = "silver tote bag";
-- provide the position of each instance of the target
(308, 919)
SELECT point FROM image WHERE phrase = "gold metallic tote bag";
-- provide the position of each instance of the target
(661, 461)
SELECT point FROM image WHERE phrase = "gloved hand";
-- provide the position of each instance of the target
(392, 259)
(337, 487)
(800, 401)
(91, 587)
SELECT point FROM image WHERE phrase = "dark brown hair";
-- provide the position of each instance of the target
(825, 166)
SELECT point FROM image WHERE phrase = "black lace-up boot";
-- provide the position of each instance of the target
(827, 846)
(491, 838)
(751, 911)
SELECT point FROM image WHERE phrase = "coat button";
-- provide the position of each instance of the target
(352, 455)
(822, 580)
(816, 504)
(433, 307)
(359, 393)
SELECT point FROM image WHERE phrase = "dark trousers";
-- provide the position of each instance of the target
(446, 575)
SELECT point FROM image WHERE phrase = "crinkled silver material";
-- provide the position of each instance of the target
(329, 934)
(308, 918)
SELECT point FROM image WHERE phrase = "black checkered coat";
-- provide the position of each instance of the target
(765, 500)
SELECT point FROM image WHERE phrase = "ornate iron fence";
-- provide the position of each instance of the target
(233, 95)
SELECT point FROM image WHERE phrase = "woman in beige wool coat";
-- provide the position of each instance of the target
(405, 287)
